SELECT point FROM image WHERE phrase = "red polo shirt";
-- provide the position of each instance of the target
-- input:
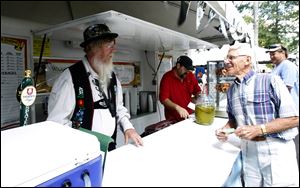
(179, 92)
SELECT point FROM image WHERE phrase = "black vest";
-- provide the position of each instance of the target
(84, 109)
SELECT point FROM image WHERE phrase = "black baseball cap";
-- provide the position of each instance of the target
(96, 32)
(186, 62)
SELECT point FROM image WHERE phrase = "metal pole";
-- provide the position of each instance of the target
(255, 24)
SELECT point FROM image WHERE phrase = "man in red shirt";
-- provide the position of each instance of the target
(177, 87)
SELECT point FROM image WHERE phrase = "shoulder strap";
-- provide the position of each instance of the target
(112, 90)
(84, 109)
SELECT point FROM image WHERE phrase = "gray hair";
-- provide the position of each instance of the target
(242, 49)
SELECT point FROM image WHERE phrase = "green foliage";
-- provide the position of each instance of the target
(248, 19)
(244, 7)
(278, 22)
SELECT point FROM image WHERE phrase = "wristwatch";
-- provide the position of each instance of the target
(263, 129)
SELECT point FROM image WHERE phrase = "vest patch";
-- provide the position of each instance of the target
(78, 118)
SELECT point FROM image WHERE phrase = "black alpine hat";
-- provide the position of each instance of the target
(96, 32)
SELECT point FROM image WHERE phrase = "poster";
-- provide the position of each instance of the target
(49, 71)
(127, 73)
(37, 45)
(13, 63)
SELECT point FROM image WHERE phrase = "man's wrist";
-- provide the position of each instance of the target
(263, 129)
(177, 107)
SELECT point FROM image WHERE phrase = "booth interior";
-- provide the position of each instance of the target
(145, 52)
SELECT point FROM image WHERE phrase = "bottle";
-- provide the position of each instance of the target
(205, 109)
(133, 101)
(26, 94)
(150, 103)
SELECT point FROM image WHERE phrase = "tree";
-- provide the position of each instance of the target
(278, 22)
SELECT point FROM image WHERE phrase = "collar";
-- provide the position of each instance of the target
(89, 68)
(246, 78)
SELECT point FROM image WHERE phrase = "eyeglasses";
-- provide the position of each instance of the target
(232, 57)
(109, 44)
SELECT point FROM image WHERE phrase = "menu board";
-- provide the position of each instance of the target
(13, 63)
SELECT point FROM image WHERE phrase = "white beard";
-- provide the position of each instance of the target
(104, 71)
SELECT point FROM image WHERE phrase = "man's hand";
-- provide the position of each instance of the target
(182, 112)
(221, 134)
(133, 135)
(171, 105)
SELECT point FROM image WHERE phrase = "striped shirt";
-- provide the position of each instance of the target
(259, 99)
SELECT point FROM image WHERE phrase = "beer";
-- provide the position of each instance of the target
(205, 114)
(205, 109)
(26, 94)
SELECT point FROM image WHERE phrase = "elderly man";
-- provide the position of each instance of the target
(88, 94)
(265, 117)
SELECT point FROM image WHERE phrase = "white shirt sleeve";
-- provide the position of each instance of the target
(122, 113)
(61, 102)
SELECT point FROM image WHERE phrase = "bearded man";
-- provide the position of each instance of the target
(179, 87)
(88, 93)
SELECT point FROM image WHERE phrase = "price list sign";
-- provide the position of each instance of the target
(13, 62)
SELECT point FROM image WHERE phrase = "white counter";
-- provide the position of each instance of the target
(139, 123)
(184, 154)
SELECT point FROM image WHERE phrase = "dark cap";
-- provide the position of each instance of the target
(186, 62)
(276, 47)
(96, 32)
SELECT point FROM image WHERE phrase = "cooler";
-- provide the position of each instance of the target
(49, 154)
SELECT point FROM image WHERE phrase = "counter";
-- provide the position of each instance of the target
(184, 154)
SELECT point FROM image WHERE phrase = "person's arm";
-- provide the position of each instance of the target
(170, 105)
(274, 126)
(288, 115)
(281, 124)
(222, 134)
(289, 74)
(195, 97)
(123, 117)
(61, 103)
(173, 106)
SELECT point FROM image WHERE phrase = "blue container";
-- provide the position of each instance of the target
(89, 174)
